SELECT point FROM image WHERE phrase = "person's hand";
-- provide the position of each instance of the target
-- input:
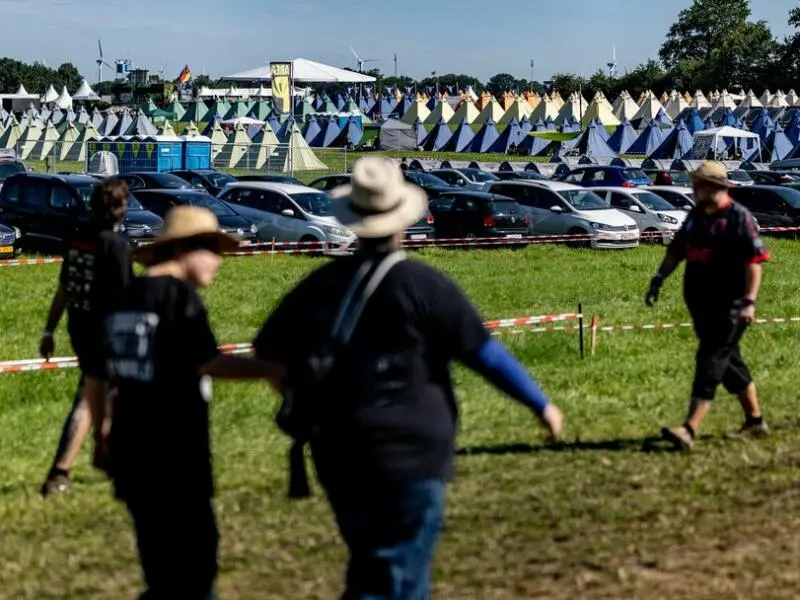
(47, 345)
(747, 314)
(651, 297)
(553, 420)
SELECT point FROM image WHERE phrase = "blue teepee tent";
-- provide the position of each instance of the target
(512, 134)
(623, 138)
(438, 137)
(339, 102)
(648, 141)
(726, 118)
(330, 131)
(433, 101)
(549, 124)
(539, 125)
(591, 143)
(763, 126)
(777, 147)
(534, 145)
(693, 122)
(601, 129)
(350, 134)
(570, 125)
(485, 138)
(525, 124)
(210, 126)
(401, 107)
(662, 119)
(792, 128)
(311, 129)
(677, 144)
(461, 139)
(420, 129)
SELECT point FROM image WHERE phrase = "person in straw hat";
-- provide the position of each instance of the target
(723, 252)
(383, 419)
(160, 353)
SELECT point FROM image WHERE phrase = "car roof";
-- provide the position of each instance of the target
(617, 188)
(681, 189)
(556, 186)
(77, 179)
(286, 188)
(172, 192)
(488, 196)
(600, 168)
(147, 173)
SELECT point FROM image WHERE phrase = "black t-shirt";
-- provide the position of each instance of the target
(391, 415)
(155, 344)
(716, 248)
(95, 274)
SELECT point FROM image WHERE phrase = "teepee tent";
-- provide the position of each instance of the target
(700, 101)
(218, 139)
(677, 144)
(64, 101)
(45, 144)
(299, 157)
(259, 111)
(417, 110)
(437, 137)
(623, 137)
(124, 122)
(485, 138)
(191, 130)
(766, 97)
(11, 135)
(492, 110)
(28, 139)
(518, 110)
(85, 93)
(778, 101)
(466, 111)
(512, 134)
(441, 112)
(557, 99)
(77, 152)
(234, 149)
(625, 106)
(600, 110)
(68, 138)
(264, 147)
(675, 105)
(648, 111)
(196, 112)
(648, 141)
(351, 134)
(218, 110)
(461, 138)
(574, 108)
(547, 109)
(330, 132)
(167, 129)
(311, 130)
(51, 95)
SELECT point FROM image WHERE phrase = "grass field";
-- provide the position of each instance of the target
(606, 514)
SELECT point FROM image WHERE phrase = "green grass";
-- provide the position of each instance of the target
(596, 517)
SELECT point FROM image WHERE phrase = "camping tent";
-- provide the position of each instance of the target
(492, 110)
(485, 138)
(623, 138)
(396, 135)
(439, 136)
(589, 143)
(466, 111)
(648, 111)
(85, 93)
(51, 95)
(648, 141)
(64, 100)
(417, 110)
(574, 108)
(461, 139)
(675, 105)
(722, 133)
(600, 110)
(299, 157)
(625, 106)
(547, 108)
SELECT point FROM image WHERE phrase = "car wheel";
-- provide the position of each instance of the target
(584, 243)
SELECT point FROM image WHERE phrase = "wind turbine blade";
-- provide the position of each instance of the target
(358, 58)
(108, 65)
(100, 47)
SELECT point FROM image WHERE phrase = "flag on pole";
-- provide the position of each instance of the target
(185, 75)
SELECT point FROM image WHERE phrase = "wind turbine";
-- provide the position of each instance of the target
(100, 62)
(361, 61)
(161, 71)
(612, 66)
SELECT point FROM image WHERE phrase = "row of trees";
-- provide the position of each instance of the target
(36, 77)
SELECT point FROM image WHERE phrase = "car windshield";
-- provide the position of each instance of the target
(634, 174)
(791, 195)
(219, 179)
(85, 192)
(583, 200)
(653, 202)
(740, 176)
(314, 203)
(422, 178)
(478, 175)
(502, 206)
(10, 168)
(217, 207)
(168, 181)
(680, 177)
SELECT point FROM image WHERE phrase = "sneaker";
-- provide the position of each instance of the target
(679, 437)
(55, 485)
(749, 430)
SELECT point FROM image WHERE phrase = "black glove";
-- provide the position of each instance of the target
(651, 297)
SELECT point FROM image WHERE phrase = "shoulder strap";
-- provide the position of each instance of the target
(354, 303)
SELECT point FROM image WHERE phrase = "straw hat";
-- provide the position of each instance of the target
(187, 224)
(713, 172)
(378, 202)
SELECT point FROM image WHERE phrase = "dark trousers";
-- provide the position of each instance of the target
(390, 533)
(719, 359)
(177, 542)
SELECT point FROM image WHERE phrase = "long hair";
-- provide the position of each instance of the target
(109, 202)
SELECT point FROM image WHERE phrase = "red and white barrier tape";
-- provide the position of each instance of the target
(656, 326)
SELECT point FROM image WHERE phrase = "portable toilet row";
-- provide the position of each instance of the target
(155, 153)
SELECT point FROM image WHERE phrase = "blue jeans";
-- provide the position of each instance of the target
(390, 533)
(177, 542)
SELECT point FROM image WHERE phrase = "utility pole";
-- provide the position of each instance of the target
(395, 65)
(531, 79)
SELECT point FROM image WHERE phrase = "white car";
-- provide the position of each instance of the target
(679, 196)
(558, 208)
(468, 179)
(288, 213)
(656, 217)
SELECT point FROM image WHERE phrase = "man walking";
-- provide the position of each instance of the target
(723, 254)
(94, 275)
(384, 425)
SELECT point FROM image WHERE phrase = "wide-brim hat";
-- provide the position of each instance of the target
(712, 172)
(379, 202)
(187, 225)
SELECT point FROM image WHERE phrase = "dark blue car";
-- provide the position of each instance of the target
(599, 176)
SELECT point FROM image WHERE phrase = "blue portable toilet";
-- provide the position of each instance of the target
(156, 153)
(196, 152)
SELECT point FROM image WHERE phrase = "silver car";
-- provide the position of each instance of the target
(468, 179)
(288, 213)
(658, 219)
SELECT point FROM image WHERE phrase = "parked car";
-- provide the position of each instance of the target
(738, 177)
(47, 208)
(230, 221)
(771, 205)
(9, 167)
(269, 178)
(558, 208)
(478, 214)
(289, 213)
(678, 196)
(474, 179)
(421, 230)
(9, 242)
(660, 177)
(774, 177)
(211, 181)
(154, 181)
(655, 217)
(434, 186)
(602, 176)
(515, 175)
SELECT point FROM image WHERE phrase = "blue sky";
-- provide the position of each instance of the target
(478, 37)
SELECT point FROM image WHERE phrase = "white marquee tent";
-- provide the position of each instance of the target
(307, 71)
(721, 133)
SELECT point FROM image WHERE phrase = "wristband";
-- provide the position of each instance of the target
(745, 302)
